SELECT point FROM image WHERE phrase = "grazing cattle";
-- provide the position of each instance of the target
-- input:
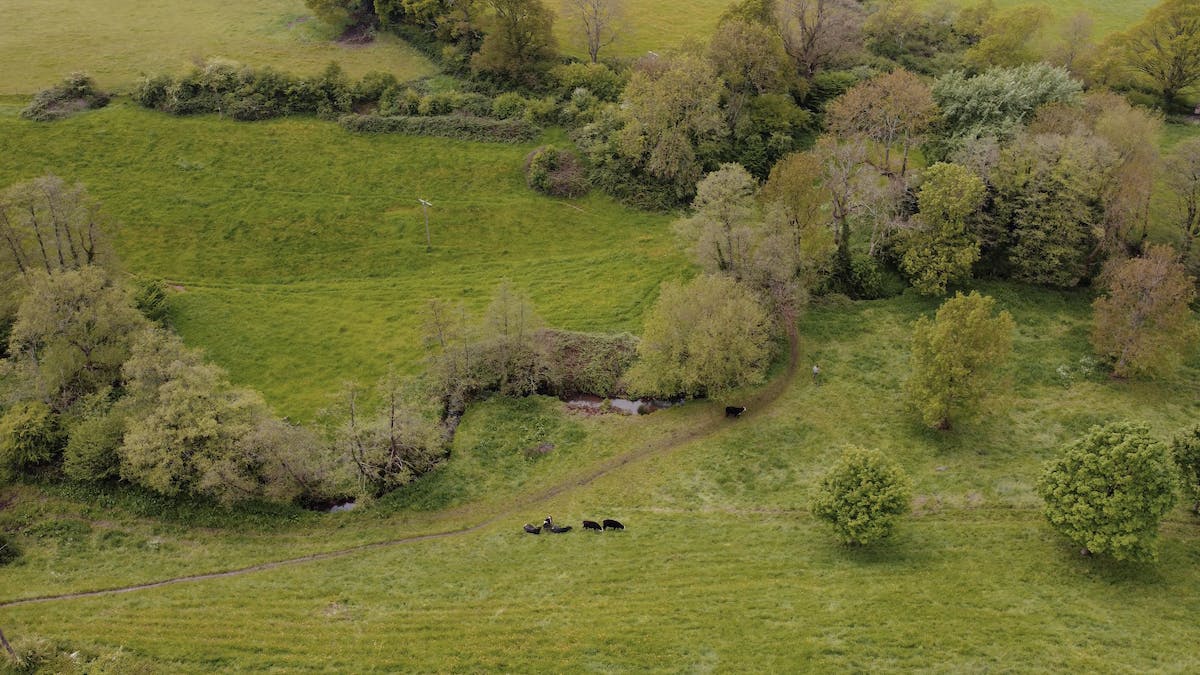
(610, 524)
(734, 411)
(591, 525)
(560, 530)
(548, 523)
(531, 529)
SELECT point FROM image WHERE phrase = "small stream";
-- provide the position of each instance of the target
(641, 406)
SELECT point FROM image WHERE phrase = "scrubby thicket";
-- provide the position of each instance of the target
(76, 93)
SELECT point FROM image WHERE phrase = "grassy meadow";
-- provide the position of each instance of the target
(296, 256)
(118, 40)
(657, 25)
(297, 250)
(721, 566)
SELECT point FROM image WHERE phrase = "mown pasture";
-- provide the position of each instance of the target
(297, 251)
(721, 567)
(117, 41)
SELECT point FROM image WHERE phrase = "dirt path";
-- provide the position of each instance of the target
(754, 406)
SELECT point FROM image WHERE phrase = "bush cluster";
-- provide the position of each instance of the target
(246, 93)
(558, 173)
(77, 92)
(584, 362)
(463, 127)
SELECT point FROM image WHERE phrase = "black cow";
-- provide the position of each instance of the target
(610, 524)
(560, 530)
(592, 525)
(531, 529)
(734, 411)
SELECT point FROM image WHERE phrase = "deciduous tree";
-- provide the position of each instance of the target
(862, 495)
(818, 34)
(1009, 38)
(720, 230)
(1108, 491)
(600, 21)
(74, 329)
(1050, 193)
(940, 246)
(670, 106)
(1182, 176)
(521, 45)
(1144, 321)
(956, 358)
(706, 337)
(894, 108)
(47, 225)
(1164, 49)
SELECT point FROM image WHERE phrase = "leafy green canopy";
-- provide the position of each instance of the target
(941, 248)
(706, 337)
(1109, 490)
(956, 357)
(862, 496)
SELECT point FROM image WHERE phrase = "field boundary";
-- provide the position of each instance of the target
(761, 401)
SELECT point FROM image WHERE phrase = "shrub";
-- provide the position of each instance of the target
(151, 92)
(77, 92)
(1109, 490)
(583, 363)
(371, 87)
(396, 101)
(542, 111)
(862, 495)
(8, 550)
(450, 126)
(28, 436)
(509, 105)
(1185, 448)
(91, 452)
(554, 172)
(595, 77)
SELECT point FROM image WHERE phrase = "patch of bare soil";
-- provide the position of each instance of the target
(357, 36)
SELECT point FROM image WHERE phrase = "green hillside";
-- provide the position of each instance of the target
(297, 250)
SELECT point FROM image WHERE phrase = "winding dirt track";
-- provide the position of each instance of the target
(761, 401)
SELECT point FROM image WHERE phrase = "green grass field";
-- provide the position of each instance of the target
(656, 25)
(298, 250)
(297, 256)
(721, 567)
(117, 40)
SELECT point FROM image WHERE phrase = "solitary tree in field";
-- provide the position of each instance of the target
(1186, 449)
(862, 496)
(940, 248)
(1108, 491)
(1145, 320)
(706, 337)
(599, 20)
(1165, 48)
(956, 357)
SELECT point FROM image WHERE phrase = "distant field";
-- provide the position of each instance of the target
(298, 250)
(657, 25)
(116, 40)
